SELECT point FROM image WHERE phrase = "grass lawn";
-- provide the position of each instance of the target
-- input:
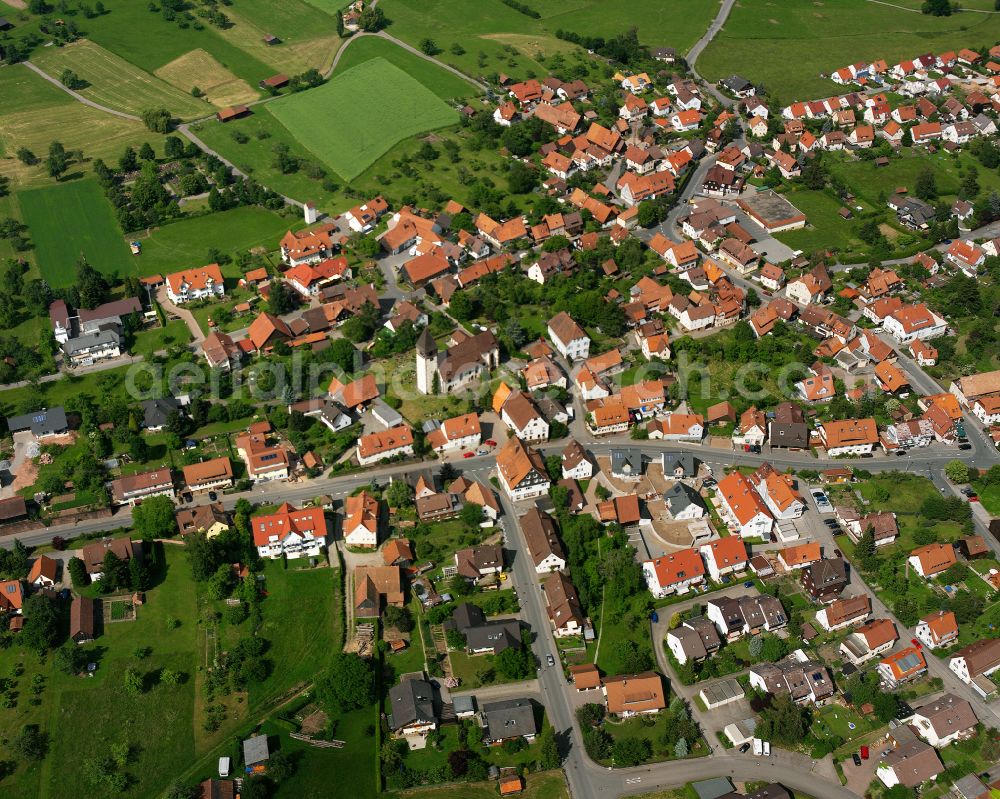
(906, 493)
(298, 651)
(156, 339)
(651, 728)
(348, 136)
(825, 228)
(467, 667)
(313, 777)
(69, 219)
(157, 723)
(836, 720)
(762, 37)
(18, 400)
(540, 785)
(989, 496)
(34, 113)
(186, 242)
(116, 83)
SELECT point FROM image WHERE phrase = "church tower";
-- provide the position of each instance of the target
(427, 362)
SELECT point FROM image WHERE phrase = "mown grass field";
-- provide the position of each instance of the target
(185, 243)
(116, 83)
(298, 648)
(483, 28)
(34, 113)
(199, 69)
(71, 219)
(348, 133)
(762, 38)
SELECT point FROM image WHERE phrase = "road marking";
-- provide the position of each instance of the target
(633, 780)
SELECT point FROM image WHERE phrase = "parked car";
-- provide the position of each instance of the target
(864, 752)
(744, 749)
(212, 496)
(857, 759)
(965, 446)
(468, 454)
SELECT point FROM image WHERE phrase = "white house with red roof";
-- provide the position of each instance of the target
(203, 283)
(912, 322)
(457, 433)
(742, 508)
(307, 279)
(725, 556)
(290, 532)
(363, 218)
(674, 573)
(966, 255)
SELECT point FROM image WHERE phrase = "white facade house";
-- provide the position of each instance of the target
(523, 418)
(913, 322)
(195, 284)
(742, 508)
(978, 659)
(569, 338)
(575, 463)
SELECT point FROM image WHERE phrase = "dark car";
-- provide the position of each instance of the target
(857, 759)
(965, 446)
(744, 749)
(212, 496)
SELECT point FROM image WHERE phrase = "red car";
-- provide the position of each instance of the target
(469, 455)
(864, 752)
(490, 442)
(916, 643)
